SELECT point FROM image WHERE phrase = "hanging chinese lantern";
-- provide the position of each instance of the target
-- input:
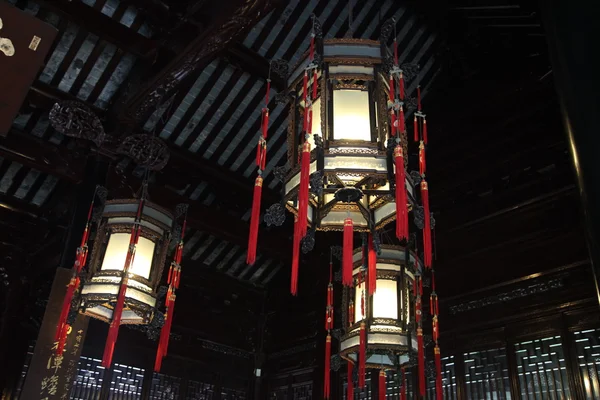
(125, 268)
(348, 163)
(379, 333)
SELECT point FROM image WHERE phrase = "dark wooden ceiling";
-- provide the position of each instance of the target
(501, 184)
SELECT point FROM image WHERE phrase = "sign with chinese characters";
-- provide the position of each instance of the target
(50, 376)
(24, 43)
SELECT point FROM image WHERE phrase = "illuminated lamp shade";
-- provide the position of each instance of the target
(108, 257)
(351, 120)
(387, 316)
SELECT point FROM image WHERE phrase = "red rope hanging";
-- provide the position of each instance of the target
(421, 361)
(401, 200)
(416, 128)
(261, 163)
(403, 387)
(327, 366)
(362, 356)
(254, 220)
(422, 161)
(427, 253)
(347, 252)
(173, 280)
(424, 130)
(113, 331)
(295, 258)
(372, 266)
(350, 387)
(62, 328)
(382, 385)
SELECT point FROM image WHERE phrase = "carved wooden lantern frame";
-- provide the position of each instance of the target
(350, 178)
(99, 293)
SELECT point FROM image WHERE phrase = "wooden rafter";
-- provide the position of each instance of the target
(103, 26)
(230, 23)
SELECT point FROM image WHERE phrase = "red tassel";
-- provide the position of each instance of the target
(295, 258)
(350, 388)
(424, 131)
(394, 124)
(303, 190)
(416, 128)
(312, 47)
(403, 387)
(372, 266)
(265, 123)
(401, 201)
(362, 356)
(439, 394)
(401, 84)
(63, 327)
(382, 385)
(422, 163)
(305, 97)
(315, 85)
(401, 121)
(421, 362)
(327, 384)
(347, 252)
(254, 220)
(391, 89)
(427, 225)
(165, 333)
(419, 98)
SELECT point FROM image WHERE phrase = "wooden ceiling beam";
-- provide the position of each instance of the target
(253, 63)
(43, 156)
(230, 22)
(103, 26)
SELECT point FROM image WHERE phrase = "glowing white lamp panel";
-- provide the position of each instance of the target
(351, 115)
(385, 300)
(116, 253)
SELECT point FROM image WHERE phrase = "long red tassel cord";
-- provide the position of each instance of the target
(427, 252)
(350, 387)
(434, 307)
(295, 258)
(403, 385)
(261, 163)
(328, 328)
(401, 201)
(173, 280)
(421, 350)
(382, 385)
(362, 356)
(372, 266)
(307, 128)
(62, 328)
(347, 252)
(113, 331)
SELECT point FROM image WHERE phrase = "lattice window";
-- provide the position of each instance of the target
(542, 369)
(199, 391)
(394, 385)
(88, 382)
(302, 391)
(364, 394)
(486, 375)
(164, 387)
(232, 394)
(587, 345)
(279, 394)
(126, 383)
(448, 379)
